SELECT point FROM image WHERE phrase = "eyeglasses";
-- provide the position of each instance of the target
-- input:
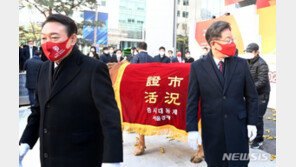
(227, 41)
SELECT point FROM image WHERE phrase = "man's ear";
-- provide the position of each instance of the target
(73, 39)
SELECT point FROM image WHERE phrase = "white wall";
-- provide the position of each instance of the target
(159, 25)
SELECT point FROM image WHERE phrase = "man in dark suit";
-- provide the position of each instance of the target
(21, 58)
(32, 67)
(28, 51)
(105, 57)
(178, 58)
(117, 57)
(142, 56)
(161, 57)
(228, 99)
(75, 114)
(188, 58)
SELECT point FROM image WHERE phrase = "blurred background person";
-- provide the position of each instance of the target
(188, 58)
(142, 56)
(105, 57)
(93, 53)
(28, 51)
(205, 51)
(32, 66)
(117, 57)
(259, 71)
(161, 57)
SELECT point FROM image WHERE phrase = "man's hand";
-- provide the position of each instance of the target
(111, 165)
(193, 138)
(252, 132)
(23, 149)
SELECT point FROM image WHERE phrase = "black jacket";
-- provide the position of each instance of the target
(259, 70)
(228, 104)
(32, 67)
(105, 58)
(142, 57)
(163, 59)
(189, 60)
(26, 52)
(76, 119)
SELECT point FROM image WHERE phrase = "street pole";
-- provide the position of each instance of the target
(175, 27)
(95, 31)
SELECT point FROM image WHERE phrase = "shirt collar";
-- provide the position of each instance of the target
(217, 60)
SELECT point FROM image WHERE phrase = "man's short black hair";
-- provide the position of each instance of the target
(37, 52)
(118, 50)
(70, 24)
(214, 31)
(142, 45)
(162, 48)
(133, 48)
(187, 52)
(105, 48)
(170, 51)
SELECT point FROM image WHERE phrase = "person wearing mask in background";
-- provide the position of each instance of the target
(28, 51)
(205, 51)
(105, 57)
(32, 67)
(111, 51)
(117, 57)
(75, 114)
(142, 56)
(161, 57)
(259, 71)
(223, 85)
(188, 58)
(93, 53)
(179, 58)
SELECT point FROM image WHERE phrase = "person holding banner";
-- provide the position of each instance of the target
(75, 114)
(229, 101)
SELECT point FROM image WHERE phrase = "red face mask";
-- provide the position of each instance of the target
(227, 49)
(179, 55)
(55, 51)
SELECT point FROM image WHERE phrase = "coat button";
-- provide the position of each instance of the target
(224, 97)
(225, 116)
(45, 131)
(45, 155)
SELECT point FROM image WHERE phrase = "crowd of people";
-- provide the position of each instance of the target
(74, 112)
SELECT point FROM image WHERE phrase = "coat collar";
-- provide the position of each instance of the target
(68, 70)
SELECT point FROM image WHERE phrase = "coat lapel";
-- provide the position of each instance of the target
(69, 70)
(230, 66)
(210, 69)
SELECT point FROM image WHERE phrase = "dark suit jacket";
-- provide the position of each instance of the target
(164, 59)
(21, 58)
(76, 117)
(105, 58)
(32, 67)
(27, 52)
(190, 60)
(114, 59)
(228, 104)
(175, 59)
(142, 57)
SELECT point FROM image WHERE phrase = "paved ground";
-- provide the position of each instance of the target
(176, 153)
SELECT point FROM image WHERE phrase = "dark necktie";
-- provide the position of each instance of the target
(221, 66)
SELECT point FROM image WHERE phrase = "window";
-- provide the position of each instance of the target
(186, 2)
(185, 14)
(184, 26)
(178, 13)
(103, 3)
(178, 2)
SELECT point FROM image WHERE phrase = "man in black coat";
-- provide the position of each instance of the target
(188, 58)
(32, 67)
(161, 57)
(29, 50)
(21, 59)
(259, 71)
(105, 57)
(229, 101)
(142, 56)
(75, 114)
(117, 57)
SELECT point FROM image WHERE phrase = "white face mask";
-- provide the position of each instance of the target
(92, 50)
(187, 55)
(118, 55)
(135, 52)
(247, 56)
(106, 52)
(161, 53)
(111, 51)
